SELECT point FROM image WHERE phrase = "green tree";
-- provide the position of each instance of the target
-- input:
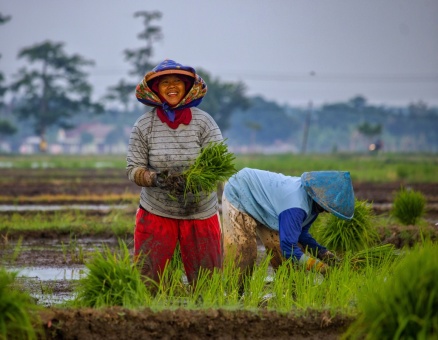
(53, 87)
(418, 109)
(223, 99)
(121, 93)
(6, 127)
(358, 103)
(3, 19)
(369, 130)
(254, 127)
(140, 58)
(265, 119)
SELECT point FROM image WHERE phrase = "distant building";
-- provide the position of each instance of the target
(91, 138)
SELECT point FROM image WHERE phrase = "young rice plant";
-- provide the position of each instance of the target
(403, 305)
(409, 206)
(18, 317)
(354, 235)
(112, 280)
(213, 165)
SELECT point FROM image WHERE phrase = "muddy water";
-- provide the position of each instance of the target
(49, 269)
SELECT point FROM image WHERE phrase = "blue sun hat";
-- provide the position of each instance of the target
(332, 190)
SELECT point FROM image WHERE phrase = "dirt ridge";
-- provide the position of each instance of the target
(120, 323)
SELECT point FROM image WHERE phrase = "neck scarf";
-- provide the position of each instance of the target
(180, 116)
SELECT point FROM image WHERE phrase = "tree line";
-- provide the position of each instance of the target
(52, 91)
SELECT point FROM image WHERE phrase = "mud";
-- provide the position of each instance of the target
(48, 249)
(21, 183)
(119, 323)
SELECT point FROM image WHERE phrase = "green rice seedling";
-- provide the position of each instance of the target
(409, 206)
(219, 288)
(214, 164)
(78, 222)
(255, 285)
(113, 279)
(231, 282)
(74, 250)
(64, 251)
(208, 291)
(9, 253)
(402, 305)
(171, 289)
(356, 234)
(373, 256)
(295, 289)
(18, 317)
(282, 289)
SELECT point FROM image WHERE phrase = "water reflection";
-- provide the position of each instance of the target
(50, 273)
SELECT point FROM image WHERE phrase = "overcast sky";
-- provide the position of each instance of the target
(285, 50)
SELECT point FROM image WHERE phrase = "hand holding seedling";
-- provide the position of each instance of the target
(170, 180)
(311, 263)
(329, 258)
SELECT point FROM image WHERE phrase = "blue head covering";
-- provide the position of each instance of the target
(332, 190)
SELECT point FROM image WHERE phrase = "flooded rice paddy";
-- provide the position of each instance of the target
(49, 269)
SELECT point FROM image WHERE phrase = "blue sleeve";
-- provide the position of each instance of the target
(307, 240)
(290, 222)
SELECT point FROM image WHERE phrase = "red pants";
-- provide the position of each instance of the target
(157, 237)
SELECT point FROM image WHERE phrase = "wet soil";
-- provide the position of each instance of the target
(119, 323)
(50, 249)
(19, 184)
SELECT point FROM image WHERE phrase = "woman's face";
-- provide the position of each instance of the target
(172, 89)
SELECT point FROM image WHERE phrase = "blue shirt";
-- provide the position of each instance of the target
(277, 201)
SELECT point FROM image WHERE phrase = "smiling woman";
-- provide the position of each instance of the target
(172, 89)
(164, 143)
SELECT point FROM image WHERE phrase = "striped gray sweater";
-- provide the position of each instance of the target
(153, 145)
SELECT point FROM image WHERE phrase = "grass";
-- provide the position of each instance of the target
(114, 279)
(356, 234)
(387, 167)
(373, 256)
(116, 222)
(410, 278)
(404, 303)
(417, 168)
(73, 251)
(213, 165)
(71, 199)
(375, 271)
(409, 206)
(18, 317)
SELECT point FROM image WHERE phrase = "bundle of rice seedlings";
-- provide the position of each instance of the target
(18, 317)
(409, 206)
(373, 256)
(404, 305)
(112, 280)
(214, 164)
(354, 235)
